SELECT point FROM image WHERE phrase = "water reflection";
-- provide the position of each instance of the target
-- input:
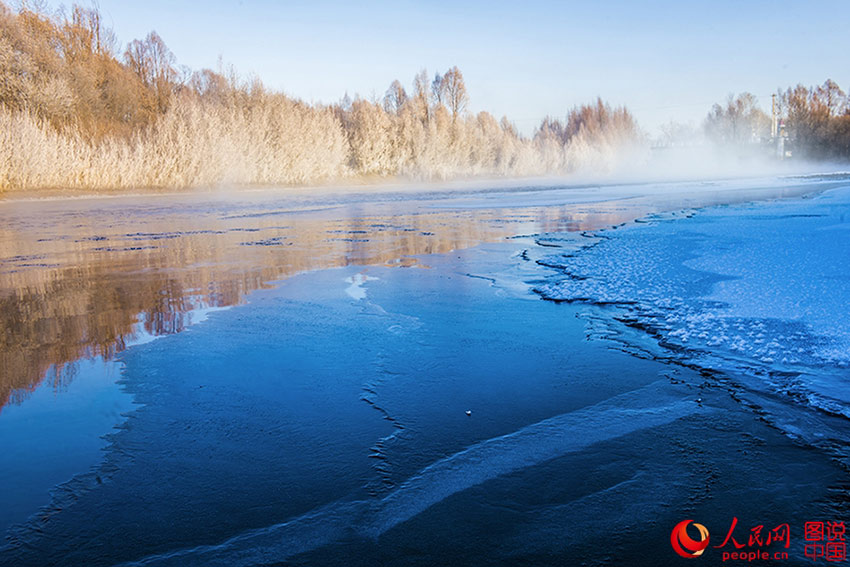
(82, 278)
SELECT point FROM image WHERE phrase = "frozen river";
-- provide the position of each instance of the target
(513, 375)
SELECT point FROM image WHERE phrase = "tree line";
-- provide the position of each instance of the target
(78, 110)
(815, 119)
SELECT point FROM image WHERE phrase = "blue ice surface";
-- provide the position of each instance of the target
(73, 415)
(644, 408)
(62, 427)
(763, 287)
(335, 414)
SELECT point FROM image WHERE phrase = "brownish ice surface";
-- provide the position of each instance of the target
(85, 277)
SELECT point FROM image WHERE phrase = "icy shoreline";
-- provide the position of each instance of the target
(756, 289)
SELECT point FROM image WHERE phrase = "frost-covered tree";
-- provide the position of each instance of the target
(437, 90)
(739, 121)
(454, 88)
(154, 64)
(395, 98)
(816, 119)
(421, 108)
(370, 138)
(830, 98)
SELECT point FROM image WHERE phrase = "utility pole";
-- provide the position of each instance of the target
(774, 130)
(773, 126)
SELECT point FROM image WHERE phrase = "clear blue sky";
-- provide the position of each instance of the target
(664, 59)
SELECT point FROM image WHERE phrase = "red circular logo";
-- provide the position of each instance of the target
(685, 545)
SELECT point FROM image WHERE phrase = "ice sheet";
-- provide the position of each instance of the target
(761, 286)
